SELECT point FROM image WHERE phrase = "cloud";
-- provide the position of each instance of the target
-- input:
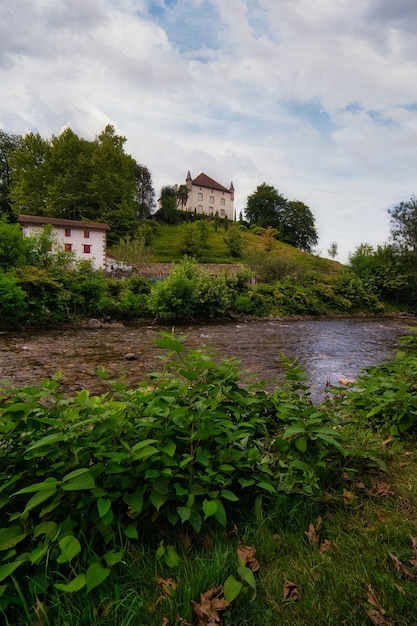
(315, 97)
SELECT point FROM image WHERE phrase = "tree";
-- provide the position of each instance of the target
(167, 212)
(404, 224)
(182, 195)
(70, 169)
(12, 249)
(298, 227)
(145, 195)
(8, 143)
(333, 250)
(234, 241)
(292, 219)
(30, 162)
(266, 207)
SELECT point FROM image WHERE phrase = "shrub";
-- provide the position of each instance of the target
(12, 301)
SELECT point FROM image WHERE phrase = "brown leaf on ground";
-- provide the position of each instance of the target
(348, 497)
(234, 532)
(291, 593)
(313, 532)
(408, 508)
(325, 546)
(41, 618)
(377, 614)
(187, 538)
(413, 559)
(381, 516)
(211, 603)
(165, 622)
(167, 585)
(383, 489)
(404, 571)
(246, 554)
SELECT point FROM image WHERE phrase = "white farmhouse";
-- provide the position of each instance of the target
(86, 239)
(207, 196)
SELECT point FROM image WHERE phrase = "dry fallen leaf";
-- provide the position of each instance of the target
(211, 603)
(380, 516)
(404, 571)
(325, 546)
(313, 532)
(413, 559)
(167, 585)
(291, 592)
(41, 618)
(246, 554)
(376, 615)
(349, 497)
(383, 489)
(165, 622)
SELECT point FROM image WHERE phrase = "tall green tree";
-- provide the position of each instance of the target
(145, 194)
(404, 224)
(266, 206)
(291, 218)
(298, 227)
(12, 249)
(182, 195)
(167, 212)
(70, 168)
(8, 143)
(30, 166)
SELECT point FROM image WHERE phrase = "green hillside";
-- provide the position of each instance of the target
(165, 246)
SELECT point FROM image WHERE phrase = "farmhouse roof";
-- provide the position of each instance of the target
(37, 219)
(203, 180)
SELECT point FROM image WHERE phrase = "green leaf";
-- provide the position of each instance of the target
(301, 444)
(169, 448)
(209, 508)
(229, 495)
(103, 506)
(11, 536)
(266, 486)
(112, 558)
(78, 480)
(76, 584)
(36, 555)
(295, 429)
(48, 483)
(95, 575)
(131, 532)
(169, 344)
(245, 482)
(184, 513)
(135, 500)
(9, 568)
(70, 547)
(220, 513)
(46, 441)
(157, 499)
(171, 558)
(231, 588)
(38, 498)
(246, 574)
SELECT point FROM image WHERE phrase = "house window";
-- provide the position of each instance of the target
(68, 247)
(87, 249)
(222, 201)
(200, 208)
(86, 234)
(212, 199)
(200, 196)
(222, 212)
(210, 210)
(68, 232)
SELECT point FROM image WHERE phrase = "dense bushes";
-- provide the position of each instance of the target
(81, 478)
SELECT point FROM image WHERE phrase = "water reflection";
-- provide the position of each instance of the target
(330, 349)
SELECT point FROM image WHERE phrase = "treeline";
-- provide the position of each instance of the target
(69, 177)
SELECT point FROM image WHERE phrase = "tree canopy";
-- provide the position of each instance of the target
(404, 224)
(67, 176)
(292, 219)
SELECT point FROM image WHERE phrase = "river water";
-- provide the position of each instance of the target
(329, 349)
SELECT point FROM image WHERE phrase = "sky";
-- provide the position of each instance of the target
(314, 97)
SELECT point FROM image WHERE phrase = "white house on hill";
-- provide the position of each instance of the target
(86, 239)
(207, 196)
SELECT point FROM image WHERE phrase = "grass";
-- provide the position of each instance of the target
(376, 516)
(165, 248)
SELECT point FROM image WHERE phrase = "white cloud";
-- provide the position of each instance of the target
(315, 97)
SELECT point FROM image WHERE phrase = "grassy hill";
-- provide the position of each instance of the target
(166, 247)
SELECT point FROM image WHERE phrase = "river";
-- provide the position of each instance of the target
(329, 349)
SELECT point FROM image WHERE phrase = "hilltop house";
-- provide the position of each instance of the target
(86, 239)
(207, 196)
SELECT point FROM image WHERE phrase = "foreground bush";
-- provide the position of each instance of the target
(84, 477)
